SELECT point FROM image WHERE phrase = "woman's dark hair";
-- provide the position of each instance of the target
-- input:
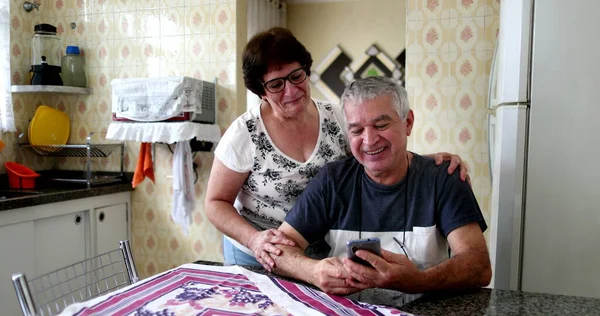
(276, 46)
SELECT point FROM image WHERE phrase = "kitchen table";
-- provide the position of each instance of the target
(208, 288)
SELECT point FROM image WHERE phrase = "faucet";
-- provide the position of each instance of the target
(29, 6)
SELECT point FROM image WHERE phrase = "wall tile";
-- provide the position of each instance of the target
(198, 20)
(492, 7)
(468, 32)
(467, 8)
(223, 18)
(432, 70)
(434, 9)
(124, 5)
(125, 25)
(172, 21)
(103, 6)
(148, 23)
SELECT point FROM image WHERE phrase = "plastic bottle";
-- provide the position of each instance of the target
(72, 68)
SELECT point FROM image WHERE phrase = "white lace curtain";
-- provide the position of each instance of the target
(7, 118)
(264, 14)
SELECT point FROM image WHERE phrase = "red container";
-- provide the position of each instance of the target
(19, 176)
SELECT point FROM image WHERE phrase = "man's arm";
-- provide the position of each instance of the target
(469, 267)
(328, 274)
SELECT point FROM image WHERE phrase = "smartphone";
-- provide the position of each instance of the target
(372, 245)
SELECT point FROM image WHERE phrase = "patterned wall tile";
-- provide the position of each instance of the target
(468, 32)
(148, 23)
(172, 21)
(103, 6)
(223, 48)
(434, 9)
(172, 49)
(466, 68)
(413, 11)
(57, 7)
(492, 7)
(127, 53)
(198, 20)
(432, 103)
(180, 3)
(149, 4)
(223, 18)
(124, 5)
(125, 25)
(432, 70)
(467, 8)
(432, 36)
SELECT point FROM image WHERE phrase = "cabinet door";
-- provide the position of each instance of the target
(16, 244)
(111, 227)
(60, 241)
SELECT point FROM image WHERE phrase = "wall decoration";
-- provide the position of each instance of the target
(337, 70)
(327, 75)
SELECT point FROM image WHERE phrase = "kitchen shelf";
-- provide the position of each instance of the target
(87, 150)
(80, 150)
(49, 89)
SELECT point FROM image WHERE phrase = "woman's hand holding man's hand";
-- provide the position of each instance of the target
(262, 243)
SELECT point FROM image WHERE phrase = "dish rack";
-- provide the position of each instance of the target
(88, 151)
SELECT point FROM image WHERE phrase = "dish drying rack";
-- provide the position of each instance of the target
(88, 151)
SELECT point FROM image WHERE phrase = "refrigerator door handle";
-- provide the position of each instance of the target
(492, 88)
(491, 143)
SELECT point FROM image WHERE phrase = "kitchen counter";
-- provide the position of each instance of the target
(51, 191)
(471, 302)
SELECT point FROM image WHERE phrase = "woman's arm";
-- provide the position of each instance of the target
(222, 189)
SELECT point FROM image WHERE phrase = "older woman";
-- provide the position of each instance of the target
(269, 154)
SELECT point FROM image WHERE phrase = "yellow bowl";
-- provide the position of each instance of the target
(49, 127)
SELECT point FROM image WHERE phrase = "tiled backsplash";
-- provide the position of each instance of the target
(135, 38)
(449, 51)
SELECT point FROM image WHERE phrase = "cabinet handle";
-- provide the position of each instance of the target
(77, 219)
(101, 216)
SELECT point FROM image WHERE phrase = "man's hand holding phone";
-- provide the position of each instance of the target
(372, 245)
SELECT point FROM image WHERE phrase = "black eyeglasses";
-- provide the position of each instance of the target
(278, 84)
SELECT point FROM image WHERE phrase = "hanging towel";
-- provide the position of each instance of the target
(144, 167)
(184, 201)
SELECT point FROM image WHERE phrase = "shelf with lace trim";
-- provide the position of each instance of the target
(163, 132)
(49, 89)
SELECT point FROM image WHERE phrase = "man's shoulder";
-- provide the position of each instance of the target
(342, 166)
(428, 171)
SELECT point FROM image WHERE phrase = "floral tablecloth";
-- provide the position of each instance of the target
(193, 289)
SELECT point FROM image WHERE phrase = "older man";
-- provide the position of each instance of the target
(419, 211)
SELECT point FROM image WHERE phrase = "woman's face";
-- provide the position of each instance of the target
(294, 98)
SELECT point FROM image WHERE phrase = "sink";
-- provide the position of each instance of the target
(11, 194)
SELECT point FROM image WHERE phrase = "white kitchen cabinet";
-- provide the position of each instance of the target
(111, 226)
(39, 239)
(59, 241)
(17, 256)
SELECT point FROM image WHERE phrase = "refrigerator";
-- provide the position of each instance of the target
(544, 130)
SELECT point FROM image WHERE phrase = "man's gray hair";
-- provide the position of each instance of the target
(371, 87)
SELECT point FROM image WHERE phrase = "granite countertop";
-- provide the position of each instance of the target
(472, 302)
(53, 191)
